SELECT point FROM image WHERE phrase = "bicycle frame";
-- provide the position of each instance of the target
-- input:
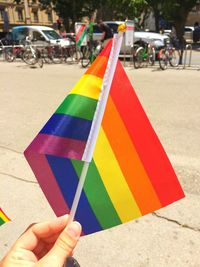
(144, 54)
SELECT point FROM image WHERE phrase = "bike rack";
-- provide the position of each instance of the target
(188, 47)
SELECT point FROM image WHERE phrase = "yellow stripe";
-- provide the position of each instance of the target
(89, 85)
(3, 217)
(114, 180)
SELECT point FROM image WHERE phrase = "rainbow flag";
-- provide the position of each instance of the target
(3, 217)
(129, 175)
(81, 34)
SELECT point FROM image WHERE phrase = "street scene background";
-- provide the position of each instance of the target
(169, 237)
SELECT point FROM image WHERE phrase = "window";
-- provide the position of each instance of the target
(37, 36)
(1, 13)
(20, 14)
(49, 16)
(35, 16)
(52, 35)
(20, 34)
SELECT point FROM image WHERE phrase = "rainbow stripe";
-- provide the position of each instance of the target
(81, 34)
(3, 217)
(130, 174)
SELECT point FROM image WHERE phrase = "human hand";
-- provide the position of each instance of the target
(44, 244)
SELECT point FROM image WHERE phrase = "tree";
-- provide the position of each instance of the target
(177, 12)
(71, 11)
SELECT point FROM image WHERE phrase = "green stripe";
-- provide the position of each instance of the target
(78, 106)
(97, 195)
(81, 38)
(1, 221)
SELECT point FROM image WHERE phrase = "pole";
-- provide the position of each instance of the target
(27, 12)
(78, 192)
(88, 153)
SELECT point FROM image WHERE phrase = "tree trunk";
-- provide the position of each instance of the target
(156, 15)
(66, 24)
(180, 29)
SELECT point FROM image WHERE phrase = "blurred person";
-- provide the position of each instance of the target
(45, 244)
(196, 32)
(107, 33)
(173, 36)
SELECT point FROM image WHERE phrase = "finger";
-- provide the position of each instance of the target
(41, 231)
(47, 229)
(30, 226)
(64, 245)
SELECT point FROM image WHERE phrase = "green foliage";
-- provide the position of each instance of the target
(175, 10)
(73, 10)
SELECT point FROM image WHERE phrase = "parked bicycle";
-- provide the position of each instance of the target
(2, 48)
(11, 53)
(31, 55)
(168, 54)
(144, 55)
(72, 54)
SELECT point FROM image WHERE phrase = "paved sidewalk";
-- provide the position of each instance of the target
(168, 238)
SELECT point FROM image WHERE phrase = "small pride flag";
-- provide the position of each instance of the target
(129, 174)
(3, 217)
(81, 32)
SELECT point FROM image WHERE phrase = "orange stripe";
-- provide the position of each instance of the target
(129, 160)
(98, 67)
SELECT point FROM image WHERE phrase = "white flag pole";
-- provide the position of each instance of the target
(105, 89)
(78, 192)
(98, 116)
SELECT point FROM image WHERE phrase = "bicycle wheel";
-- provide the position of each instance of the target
(56, 55)
(70, 56)
(76, 55)
(40, 62)
(85, 61)
(9, 56)
(29, 57)
(45, 54)
(47, 59)
(151, 56)
(174, 57)
(138, 58)
(162, 59)
(39, 58)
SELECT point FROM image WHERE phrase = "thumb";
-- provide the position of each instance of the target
(64, 245)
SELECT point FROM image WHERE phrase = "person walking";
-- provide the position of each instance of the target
(107, 33)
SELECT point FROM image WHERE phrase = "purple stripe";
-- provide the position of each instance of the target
(57, 146)
(46, 179)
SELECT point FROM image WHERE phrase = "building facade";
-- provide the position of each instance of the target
(194, 16)
(27, 12)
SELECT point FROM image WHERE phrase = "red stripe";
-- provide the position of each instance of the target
(148, 146)
(106, 51)
(57, 146)
(81, 29)
(129, 28)
(47, 181)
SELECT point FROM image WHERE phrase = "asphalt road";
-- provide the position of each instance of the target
(170, 237)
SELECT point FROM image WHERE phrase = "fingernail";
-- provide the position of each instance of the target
(74, 229)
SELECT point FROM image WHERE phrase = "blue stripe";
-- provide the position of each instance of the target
(67, 126)
(67, 180)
